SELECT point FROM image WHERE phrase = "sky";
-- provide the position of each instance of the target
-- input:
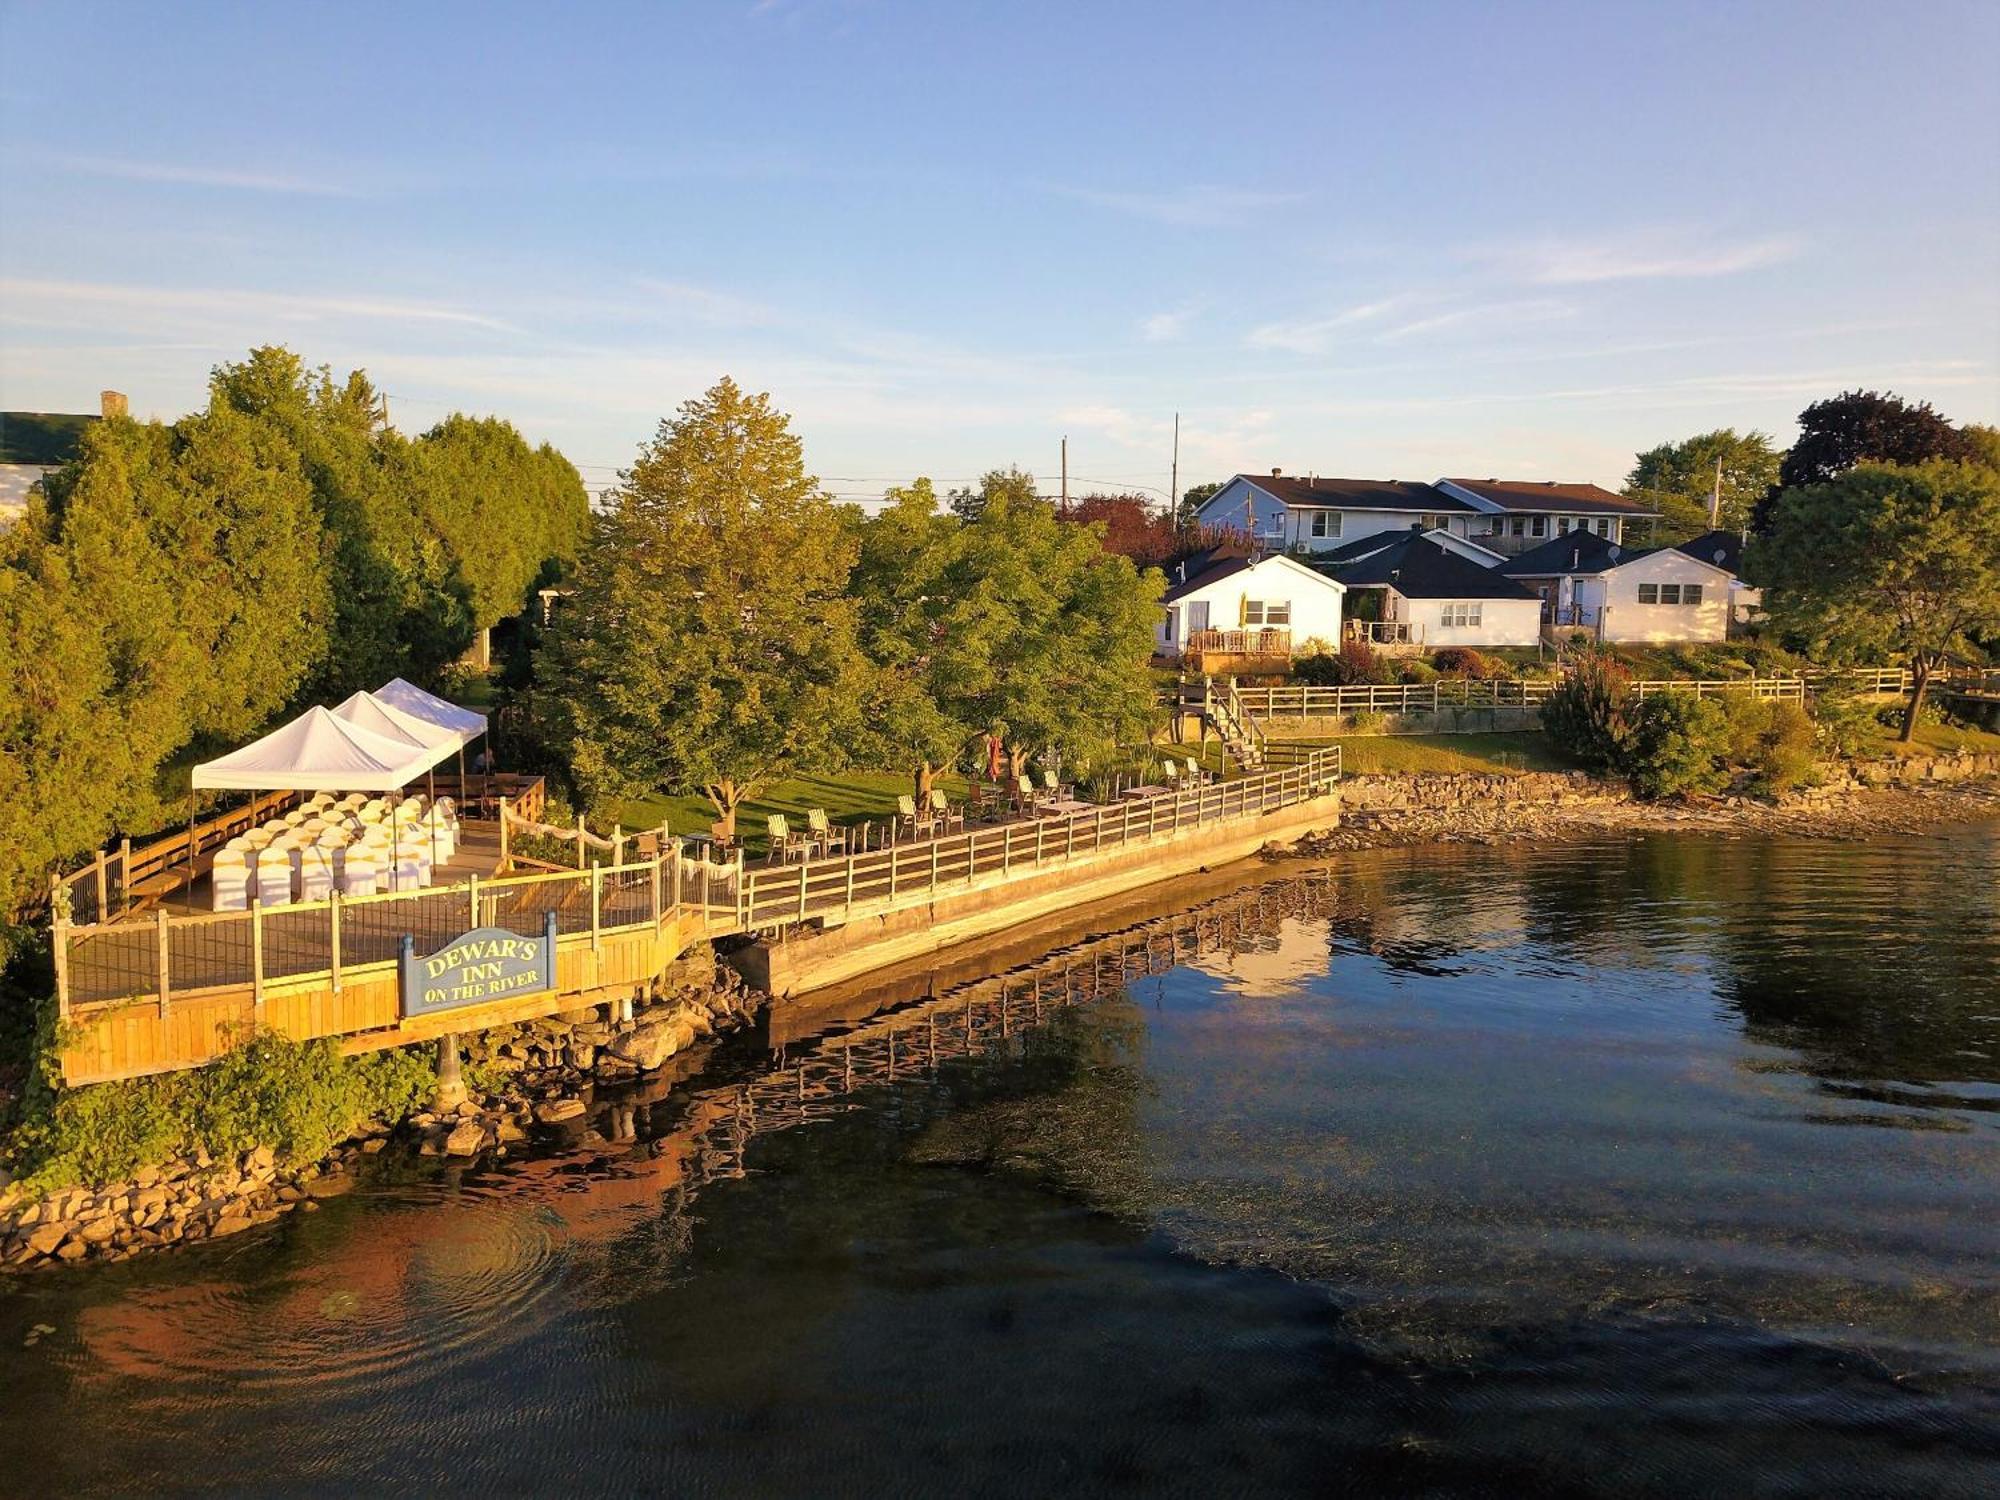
(1402, 240)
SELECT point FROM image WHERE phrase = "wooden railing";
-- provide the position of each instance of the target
(1386, 632)
(1276, 704)
(904, 874)
(1254, 641)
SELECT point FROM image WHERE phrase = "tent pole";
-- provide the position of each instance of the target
(430, 813)
(188, 903)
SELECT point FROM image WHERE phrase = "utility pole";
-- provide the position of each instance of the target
(1174, 484)
(1065, 477)
(1715, 498)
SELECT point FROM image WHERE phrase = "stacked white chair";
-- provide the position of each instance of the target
(361, 871)
(274, 874)
(315, 873)
(229, 880)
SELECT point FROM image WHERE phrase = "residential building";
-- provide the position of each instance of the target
(34, 444)
(1235, 613)
(1313, 515)
(1432, 589)
(1517, 515)
(1725, 550)
(1589, 582)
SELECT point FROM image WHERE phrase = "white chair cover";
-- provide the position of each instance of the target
(315, 873)
(361, 871)
(274, 876)
(229, 881)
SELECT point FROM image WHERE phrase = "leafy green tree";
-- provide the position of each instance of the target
(1588, 715)
(1859, 427)
(1193, 498)
(1678, 744)
(1886, 559)
(710, 644)
(1028, 626)
(1678, 480)
(1009, 484)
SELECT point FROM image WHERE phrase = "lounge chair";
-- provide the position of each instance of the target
(944, 813)
(910, 821)
(823, 833)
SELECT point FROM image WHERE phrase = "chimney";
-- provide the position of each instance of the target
(1277, 473)
(113, 404)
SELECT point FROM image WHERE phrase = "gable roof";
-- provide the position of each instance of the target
(1317, 492)
(1228, 567)
(1720, 549)
(1575, 553)
(1418, 568)
(1546, 495)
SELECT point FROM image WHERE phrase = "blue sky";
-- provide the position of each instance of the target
(1395, 240)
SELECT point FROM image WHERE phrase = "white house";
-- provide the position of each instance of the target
(1437, 591)
(1312, 515)
(1725, 550)
(1588, 582)
(1229, 605)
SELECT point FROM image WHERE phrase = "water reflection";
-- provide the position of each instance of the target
(1554, 1148)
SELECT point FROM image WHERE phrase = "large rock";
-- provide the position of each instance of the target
(466, 1139)
(44, 1239)
(648, 1047)
(555, 1111)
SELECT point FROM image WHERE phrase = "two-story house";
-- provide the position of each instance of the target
(1310, 515)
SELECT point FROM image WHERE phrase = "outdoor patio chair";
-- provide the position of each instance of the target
(1060, 791)
(910, 821)
(315, 873)
(1195, 774)
(824, 833)
(273, 879)
(360, 871)
(782, 842)
(944, 813)
(1170, 774)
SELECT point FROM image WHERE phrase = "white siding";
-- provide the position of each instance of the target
(1314, 599)
(1626, 619)
(1502, 622)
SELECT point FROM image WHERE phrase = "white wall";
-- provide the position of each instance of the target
(1315, 600)
(1626, 619)
(1502, 622)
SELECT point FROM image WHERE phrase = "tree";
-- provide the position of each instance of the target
(1193, 498)
(1886, 558)
(710, 645)
(1678, 480)
(1029, 627)
(1132, 527)
(1010, 484)
(1861, 427)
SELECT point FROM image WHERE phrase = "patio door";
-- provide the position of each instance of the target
(1197, 619)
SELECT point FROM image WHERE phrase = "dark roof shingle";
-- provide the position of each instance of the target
(1359, 494)
(1418, 568)
(1548, 495)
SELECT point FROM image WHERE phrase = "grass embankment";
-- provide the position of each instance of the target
(1930, 739)
(1414, 754)
(848, 798)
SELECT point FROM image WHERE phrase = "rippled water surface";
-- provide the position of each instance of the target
(1669, 1166)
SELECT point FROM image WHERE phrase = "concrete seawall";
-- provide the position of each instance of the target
(814, 958)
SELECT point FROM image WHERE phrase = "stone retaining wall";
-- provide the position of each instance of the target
(1445, 791)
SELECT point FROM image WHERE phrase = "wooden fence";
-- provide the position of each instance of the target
(1301, 702)
(779, 896)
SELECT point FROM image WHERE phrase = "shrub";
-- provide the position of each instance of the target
(299, 1098)
(1785, 755)
(1679, 745)
(1588, 715)
(1415, 669)
(1466, 661)
(1847, 724)
(1356, 662)
(1367, 721)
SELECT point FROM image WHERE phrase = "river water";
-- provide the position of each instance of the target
(1667, 1165)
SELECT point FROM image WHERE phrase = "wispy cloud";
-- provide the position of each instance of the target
(1481, 316)
(699, 304)
(1654, 255)
(42, 301)
(184, 174)
(1201, 205)
(1313, 335)
(1166, 327)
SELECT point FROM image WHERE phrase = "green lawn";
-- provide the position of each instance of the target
(1372, 755)
(1931, 739)
(850, 797)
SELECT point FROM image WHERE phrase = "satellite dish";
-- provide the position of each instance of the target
(1612, 551)
(1720, 554)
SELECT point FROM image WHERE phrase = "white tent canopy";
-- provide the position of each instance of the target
(371, 713)
(318, 752)
(413, 700)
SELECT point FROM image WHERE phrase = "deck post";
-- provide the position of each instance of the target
(333, 933)
(166, 959)
(256, 954)
(125, 874)
(59, 948)
(1038, 843)
(103, 897)
(660, 855)
(503, 836)
(936, 845)
(894, 850)
(596, 900)
(850, 886)
(579, 841)
(618, 843)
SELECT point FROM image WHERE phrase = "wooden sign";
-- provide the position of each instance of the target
(488, 963)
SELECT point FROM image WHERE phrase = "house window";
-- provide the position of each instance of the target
(1431, 523)
(1649, 593)
(1459, 615)
(1562, 526)
(1275, 612)
(1670, 593)
(1326, 523)
(1538, 526)
(1690, 593)
(1521, 526)
(1604, 526)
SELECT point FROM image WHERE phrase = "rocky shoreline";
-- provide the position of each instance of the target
(1405, 811)
(521, 1080)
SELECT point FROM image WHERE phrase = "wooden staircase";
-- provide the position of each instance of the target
(1222, 711)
